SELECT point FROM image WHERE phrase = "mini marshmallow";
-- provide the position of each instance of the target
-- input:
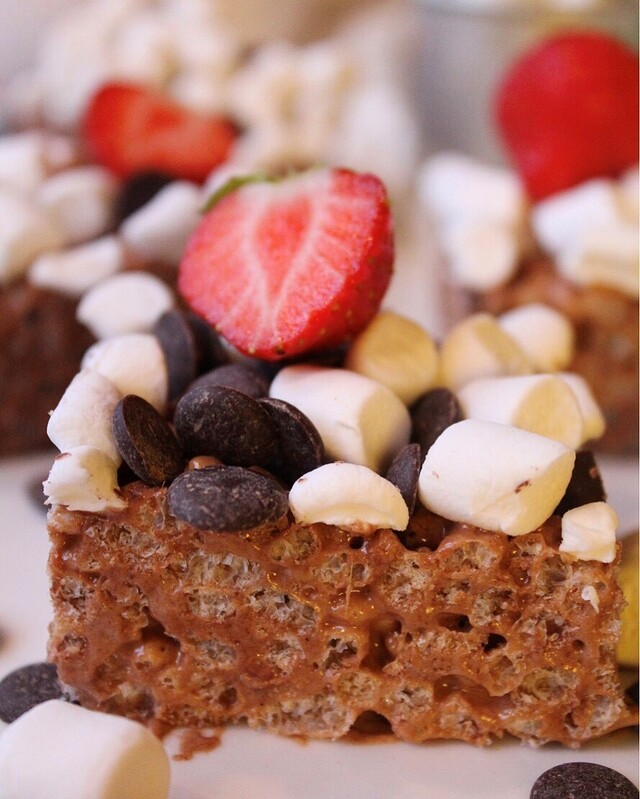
(456, 187)
(396, 352)
(84, 478)
(542, 404)
(629, 188)
(134, 363)
(495, 476)
(64, 751)
(605, 255)
(545, 335)
(25, 233)
(160, 229)
(350, 496)
(142, 48)
(481, 255)
(22, 165)
(80, 201)
(76, 270)
(83, 415)
(478, 347)
(561, 218)
(592, 416)
(360, 421)
(589, 532)
(128, 302)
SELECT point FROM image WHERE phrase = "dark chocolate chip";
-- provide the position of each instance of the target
(583, 781)
(210, 350)
(585, 485)
(220, 421)
(300, 447)
(227, 499)
(27, 687)
(404, 472)
(146, 441)
(234, 375)
(137, 190)
(178, 343)
(431, 414)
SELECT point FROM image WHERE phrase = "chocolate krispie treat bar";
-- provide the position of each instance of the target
(562, 230)
(304, 546)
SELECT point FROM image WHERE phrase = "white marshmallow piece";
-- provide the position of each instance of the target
(84, 478)
(593, 418)
(494, 476)
(481, 255)
(25, 233)
(560, 219)
(542, 404)
(605, 255)
(76, 270)
(360, 421)
(80, 201)
(629, 186)
(456, 187)
(350, 496)
(160, 229)
(128, 302)
(134, 363)
(396, 352)
(544, 334)
(65, 751)
(589, 594)
(589, 532)
(478, 347)
(83, 415)
(22, 165)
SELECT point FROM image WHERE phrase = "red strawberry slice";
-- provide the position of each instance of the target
(298, 265)
(568, 111)
(129, 129)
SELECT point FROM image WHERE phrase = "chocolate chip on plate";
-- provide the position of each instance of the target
(300, 447)
(227, 499)
(146, 441)
(583, 781)
(137, 190)
(234, 375)
(210, 349)
(27, 687)
(220, 421)
(404, 472)
(178, 343)
(585, 485)
(431, 414)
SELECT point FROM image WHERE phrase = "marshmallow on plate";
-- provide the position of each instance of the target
(589, 532)
(22, 162)
(544, 334)
(360, 421)
(481, 255)
(397, 353)
(128, 302)
(478, 347)
(74, 271)
(83, 415)
(80, 201)
(64, 751)
(25, 233)
(134, 363)
(542, 404)
(350, 496)
(495, 476)
(84, 478)
(160, 229)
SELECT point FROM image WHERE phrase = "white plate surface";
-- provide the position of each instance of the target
(252, 765)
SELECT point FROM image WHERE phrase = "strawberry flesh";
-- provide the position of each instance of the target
(568, 111)
(129, 128)
(294, 266)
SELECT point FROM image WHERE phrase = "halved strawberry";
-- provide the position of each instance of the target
(291, 266)
(568, 111)
(129, 128)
